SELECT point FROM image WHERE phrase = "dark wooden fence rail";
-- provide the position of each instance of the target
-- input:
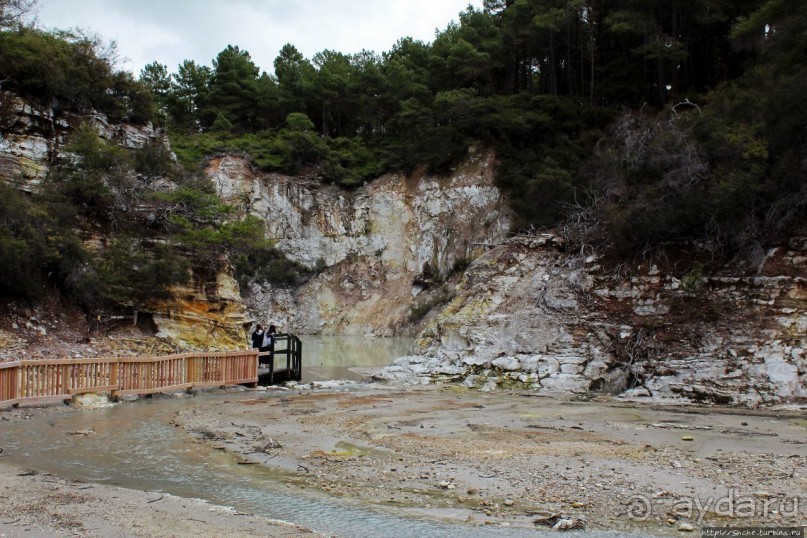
(290, 347)
(60, 379)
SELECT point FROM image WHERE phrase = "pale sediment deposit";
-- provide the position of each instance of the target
(522, 460)
(380, 249)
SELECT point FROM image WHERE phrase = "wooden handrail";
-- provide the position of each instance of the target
(30, 381)
(293, 352)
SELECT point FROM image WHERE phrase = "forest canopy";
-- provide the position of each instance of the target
(585, 103)
(630, 125)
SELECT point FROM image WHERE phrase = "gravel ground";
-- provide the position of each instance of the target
(510, 459)
(514, 459)
(523, 460)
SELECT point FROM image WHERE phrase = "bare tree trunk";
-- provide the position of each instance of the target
(13, 11)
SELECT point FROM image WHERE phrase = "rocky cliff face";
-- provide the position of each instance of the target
(32, 137)
(378, 245)
(529, 315)
(525, 314)
(205, 315)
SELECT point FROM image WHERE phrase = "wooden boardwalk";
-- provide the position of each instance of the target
(53, 380)
(286, 349)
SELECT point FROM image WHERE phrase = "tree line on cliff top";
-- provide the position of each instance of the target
(630, 124)
(633, 123)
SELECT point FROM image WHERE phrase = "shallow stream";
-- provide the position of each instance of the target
(134, 445)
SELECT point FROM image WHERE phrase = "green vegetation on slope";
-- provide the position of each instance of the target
(149, 235)
(640, 122)
(630, 124)
(72, 71)
(111, 226)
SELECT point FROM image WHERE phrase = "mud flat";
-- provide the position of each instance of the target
(489, 460)
(520, 460)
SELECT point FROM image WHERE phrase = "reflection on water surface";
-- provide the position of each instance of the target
(332, 357)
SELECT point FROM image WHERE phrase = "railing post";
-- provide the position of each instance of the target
(299, 360)
(114, 370)
(186, 366)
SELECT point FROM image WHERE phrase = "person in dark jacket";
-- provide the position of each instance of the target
(266, 343)
(269, 339)
(257, 337)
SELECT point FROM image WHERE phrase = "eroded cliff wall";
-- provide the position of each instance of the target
(372, 243)
(206, 314)
(33, 136)
(527, 314)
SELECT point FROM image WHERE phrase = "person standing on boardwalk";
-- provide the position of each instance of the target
(258, 336)
(269, 339)
(265, 342)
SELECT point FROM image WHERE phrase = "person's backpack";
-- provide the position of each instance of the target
(257, 338)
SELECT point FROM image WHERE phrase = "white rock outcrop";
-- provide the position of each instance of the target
(529, 315)
(373, 242)
(32, 137)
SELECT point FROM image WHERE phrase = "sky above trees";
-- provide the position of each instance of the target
(177, 30)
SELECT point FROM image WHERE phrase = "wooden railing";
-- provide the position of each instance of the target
(287, 345)
(52, 380)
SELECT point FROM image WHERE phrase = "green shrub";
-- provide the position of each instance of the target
(71, 69)
(350, 162)
(693, 281)
(221, 124)
(88, 178)
(153, 160)
(460, 265)
(133, 272)
(297, 121)
(255, 258)
(36, 244)
(191, 149)
(424, 305)
(188, 208)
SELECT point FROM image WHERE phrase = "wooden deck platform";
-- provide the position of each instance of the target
(283, 362)
(51, 380)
